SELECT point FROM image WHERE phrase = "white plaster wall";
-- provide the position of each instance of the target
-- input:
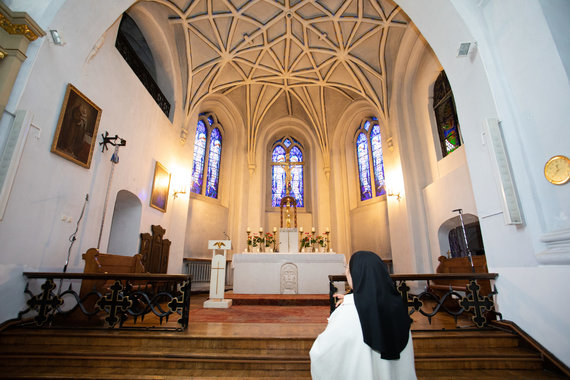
(47, 186)
(517, 76)
(369, 229)
(207, 220)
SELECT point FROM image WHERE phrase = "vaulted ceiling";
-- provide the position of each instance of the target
(289, 52)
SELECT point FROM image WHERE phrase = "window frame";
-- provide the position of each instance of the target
(442, 86)
(362, 129)
(209, 128)
(294, 143)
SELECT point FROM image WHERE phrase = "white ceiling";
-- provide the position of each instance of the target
(292, 52)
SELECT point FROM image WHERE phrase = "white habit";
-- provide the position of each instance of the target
(340, 353)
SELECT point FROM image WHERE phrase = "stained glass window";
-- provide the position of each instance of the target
(208, 135)
(369, 155)
(214, 163)
(199, 157)
(287, 151)
(445, 115)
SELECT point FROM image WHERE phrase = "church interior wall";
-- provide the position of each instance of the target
(38, 210)
(505, 78)
(508, 79)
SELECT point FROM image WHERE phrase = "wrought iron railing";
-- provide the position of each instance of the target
(454, 300)
(119, 301)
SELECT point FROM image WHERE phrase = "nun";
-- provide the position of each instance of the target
(368, 335)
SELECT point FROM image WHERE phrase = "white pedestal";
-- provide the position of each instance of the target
(218, 304)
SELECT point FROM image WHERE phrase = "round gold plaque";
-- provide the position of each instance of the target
(557, 170)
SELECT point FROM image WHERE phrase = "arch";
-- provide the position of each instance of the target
(125, 227)
(471, 223)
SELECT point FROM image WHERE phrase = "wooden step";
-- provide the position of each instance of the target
(85, 354)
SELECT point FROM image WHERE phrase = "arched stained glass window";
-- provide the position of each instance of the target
(208, 135)
(287, 154)
(445, 115)
(369, 155)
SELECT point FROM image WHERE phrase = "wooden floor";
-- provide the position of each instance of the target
(258, 337)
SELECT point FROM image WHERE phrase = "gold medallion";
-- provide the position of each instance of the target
(557, 170)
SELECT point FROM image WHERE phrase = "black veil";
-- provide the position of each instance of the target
(383, 316)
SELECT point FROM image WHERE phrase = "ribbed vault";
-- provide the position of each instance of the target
(291, 51)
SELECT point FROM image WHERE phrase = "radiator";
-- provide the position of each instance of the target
(202, 269)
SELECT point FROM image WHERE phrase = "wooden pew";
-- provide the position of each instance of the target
(97, 262)
(459, 265)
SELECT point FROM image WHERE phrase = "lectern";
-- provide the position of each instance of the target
(218, 276)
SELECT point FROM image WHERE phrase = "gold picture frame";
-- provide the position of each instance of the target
(76, 131)
(160, 188)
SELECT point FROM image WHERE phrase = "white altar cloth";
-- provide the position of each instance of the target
(260, 273)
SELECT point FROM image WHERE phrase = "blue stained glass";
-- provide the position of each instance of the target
(297, 184)
(214, 164)
(199, 157)
(367, 125)
(363, 166)
(277, 185)
(278, 154)
(378, 160)
(278, 174)
(295, 155)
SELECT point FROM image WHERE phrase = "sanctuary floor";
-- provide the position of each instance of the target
(277, 315)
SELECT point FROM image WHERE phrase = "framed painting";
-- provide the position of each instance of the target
(160, 188)
(77, 126)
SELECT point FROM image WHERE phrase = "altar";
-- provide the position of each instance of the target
(285, 273)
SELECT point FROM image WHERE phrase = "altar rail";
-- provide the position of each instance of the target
(454, 303)
(128, 300)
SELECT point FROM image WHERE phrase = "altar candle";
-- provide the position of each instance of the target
(313, 229)
(274, 229)
(260, 229)
(248, 229)
(327, 230)
(300, 229)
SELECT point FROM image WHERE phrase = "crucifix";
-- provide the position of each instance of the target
(288, 202)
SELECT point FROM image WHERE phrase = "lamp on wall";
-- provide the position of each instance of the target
(391, 193)
(180, 180)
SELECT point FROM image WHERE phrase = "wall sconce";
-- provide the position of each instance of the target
(392, 194)
(177, 192)
(180, 180)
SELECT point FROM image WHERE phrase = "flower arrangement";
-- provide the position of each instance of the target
(320, 240)
(254, 240)
(307, 241)
(269, 239)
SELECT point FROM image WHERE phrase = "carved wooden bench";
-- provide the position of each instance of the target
(97, 262)
(459, 265)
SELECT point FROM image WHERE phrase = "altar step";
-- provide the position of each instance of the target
(49, 354)
(279, 299)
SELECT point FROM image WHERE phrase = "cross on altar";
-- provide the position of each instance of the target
(218, 275)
